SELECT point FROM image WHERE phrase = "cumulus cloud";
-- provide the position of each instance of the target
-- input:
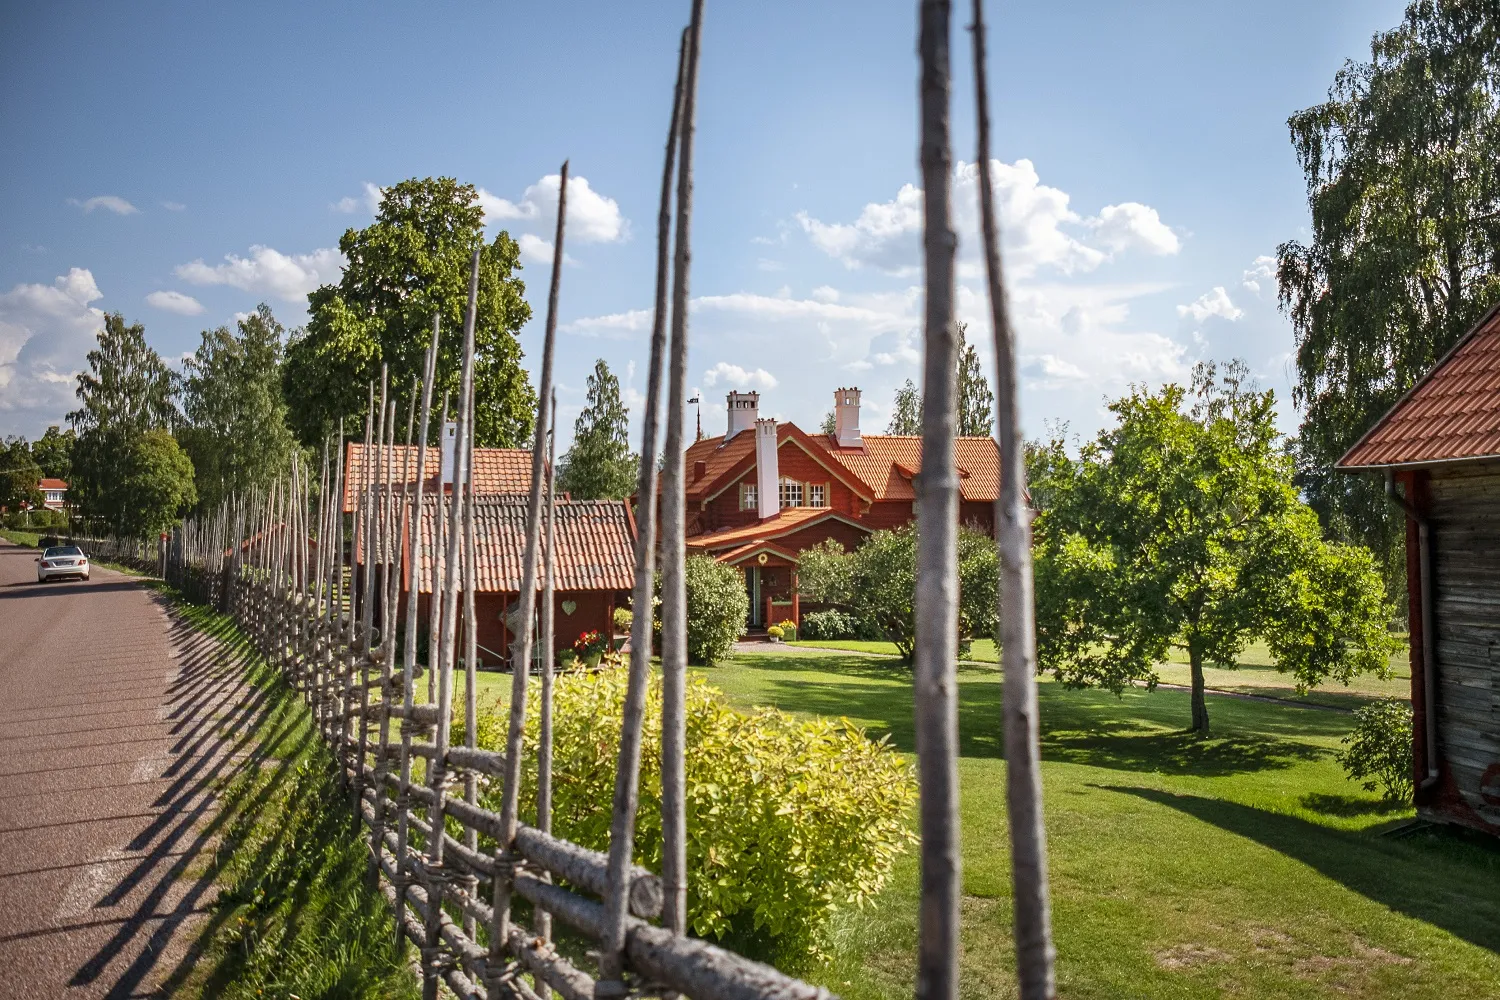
(369, 200)
(736, 377)
(45, 331)
(1262, 269)
(175, 302)
(540, 251)
(621, 324)
(1038, 226)
(174, 206)
(825, 293)
(1214, 302)
(268, 272)
(108, 202)
(592, 217)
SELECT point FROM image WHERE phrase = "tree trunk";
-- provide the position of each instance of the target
(1200, 704)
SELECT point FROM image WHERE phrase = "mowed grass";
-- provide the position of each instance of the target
(1241, 865)
(1255, 673)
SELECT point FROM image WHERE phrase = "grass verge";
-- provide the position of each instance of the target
(296, 914)
(26, 538)
(1241, 865)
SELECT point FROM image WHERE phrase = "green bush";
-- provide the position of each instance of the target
(1378, 750)
(717, 606)
(787, 820)
(623, 620)
(776, 632)
(828, 625)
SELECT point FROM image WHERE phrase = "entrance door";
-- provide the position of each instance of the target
(752, 587)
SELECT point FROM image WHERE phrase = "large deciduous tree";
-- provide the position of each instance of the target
(976, 401)
(18, 475)
(1403, 178)
(126, 392)
(53, 452)
(599, 465)
(1180, 527)
(413, 262)
(236, 433)
(154, 480)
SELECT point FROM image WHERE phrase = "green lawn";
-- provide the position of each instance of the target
(1241, 865)
(27, 538)
(1256, 673)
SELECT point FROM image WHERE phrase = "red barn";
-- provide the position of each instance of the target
(1439, 450)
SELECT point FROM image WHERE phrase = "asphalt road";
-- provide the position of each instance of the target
(116, 722)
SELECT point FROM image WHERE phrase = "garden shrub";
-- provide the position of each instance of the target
(775, 632)
(787, 820)
(717, 606)
(828, 625)
(623, 619)
(1378, 749)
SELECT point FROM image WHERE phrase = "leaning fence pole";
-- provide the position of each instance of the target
(471, 663)
(543, 921)
(439, 550)
(526, 603)
(1031, 906)
(936, 648)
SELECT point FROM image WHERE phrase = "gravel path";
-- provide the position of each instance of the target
(117, 722)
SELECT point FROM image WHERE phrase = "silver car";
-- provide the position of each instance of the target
(60, 561)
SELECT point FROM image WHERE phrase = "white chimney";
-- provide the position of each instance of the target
(846, 417)
(450, 434)
(767, 472)
(744, 410)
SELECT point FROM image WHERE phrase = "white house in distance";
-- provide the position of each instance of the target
(54, 493)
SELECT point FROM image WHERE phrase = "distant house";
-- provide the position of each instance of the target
(54, 493)
(1439, 450)
(764, 492)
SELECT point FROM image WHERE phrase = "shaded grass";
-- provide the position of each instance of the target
(296, 914)
(1243, 864)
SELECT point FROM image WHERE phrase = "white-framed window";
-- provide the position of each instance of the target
(748, 499)
(791, 493)
(817, 494)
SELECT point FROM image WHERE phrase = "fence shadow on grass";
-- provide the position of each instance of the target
(1443, 877)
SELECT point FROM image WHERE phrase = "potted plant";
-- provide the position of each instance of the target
(774, 633)
(788, 630)
(591, 647)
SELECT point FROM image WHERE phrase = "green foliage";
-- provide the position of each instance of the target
(830, 423)
(1405, 206)
(787, 820)
(1378, 751)
(875, 583)
(126, 392)
(829, 624)
(1180, 526)
(237, 435)
(788, 630)
(38, 519)
(18, 475)
(623, 620)
(53, 452)
(976, 403)
(154, 483)
(599, 465)
(413, 262)
(717, 607)
(776, 633)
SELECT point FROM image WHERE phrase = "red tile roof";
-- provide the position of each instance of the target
(595, 545)
(51, 484)
(496, 470)
(1451, 414)
(783, 522)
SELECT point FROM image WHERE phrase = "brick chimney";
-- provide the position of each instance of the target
(767, 471)
(744, 410)
(846, 417)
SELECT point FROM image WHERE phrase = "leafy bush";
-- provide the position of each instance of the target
(716, 609)
(828, 625)
(776, 632)
(1379, 749)
(623, 619)
(787, 820)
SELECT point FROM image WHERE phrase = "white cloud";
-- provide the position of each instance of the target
(592, 217)
(347, 204)
(1262, 269)
(45, 331)
(268, 272)
(369, 200)
(1211, 303)
(174, 206)
(175, 302)
(539, 251)
(110, 202)
(1133, 226)
(739, 378)
(884, 236)
(825, 293)
(612, 325)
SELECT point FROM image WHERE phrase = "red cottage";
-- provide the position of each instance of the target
(1439, 450)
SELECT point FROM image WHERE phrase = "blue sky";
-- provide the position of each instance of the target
(181, 164)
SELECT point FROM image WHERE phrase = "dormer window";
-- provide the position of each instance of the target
(748, 498)
(791, 493)
(817, 494)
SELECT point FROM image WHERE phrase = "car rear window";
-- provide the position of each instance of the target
(62, 550)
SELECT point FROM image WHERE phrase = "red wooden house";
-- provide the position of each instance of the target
(764, 492)
(1439, 450)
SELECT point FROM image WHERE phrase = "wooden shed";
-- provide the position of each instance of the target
(1439, 451)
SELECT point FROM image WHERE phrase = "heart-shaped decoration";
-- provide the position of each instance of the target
(569, 607)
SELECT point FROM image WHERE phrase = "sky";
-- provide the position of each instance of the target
(180, 164)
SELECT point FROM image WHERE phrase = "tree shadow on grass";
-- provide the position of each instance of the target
(1446, 878)
(1351, 805)
(1176, 752)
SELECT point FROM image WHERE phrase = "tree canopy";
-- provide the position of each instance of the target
(976, 401)
(236, 433)
(413, 262)
(1180, 527)
(1402, 164)
(18, 475)
(600, 465)
(53, 452)
(154, 484)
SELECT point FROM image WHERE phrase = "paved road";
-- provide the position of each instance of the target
(115, 722)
